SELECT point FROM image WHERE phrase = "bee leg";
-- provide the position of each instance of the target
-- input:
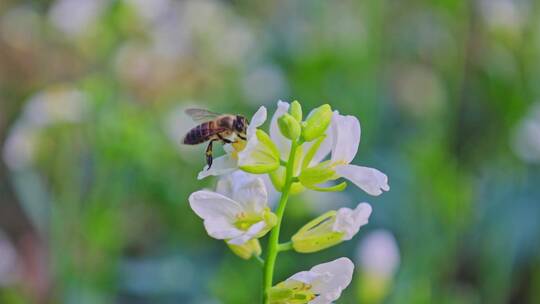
(225, 140)
(242, 137)
(209, 154)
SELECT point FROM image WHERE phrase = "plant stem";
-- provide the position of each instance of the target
(273, 240)
(285, 246)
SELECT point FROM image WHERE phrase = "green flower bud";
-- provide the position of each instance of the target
(248, 250)
(317, 122)
(296, 110)
(289, 126)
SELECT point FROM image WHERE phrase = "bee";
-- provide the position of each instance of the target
(227, 128)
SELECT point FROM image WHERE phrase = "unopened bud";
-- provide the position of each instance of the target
(296, 110)
(317, 122)
(289, 126)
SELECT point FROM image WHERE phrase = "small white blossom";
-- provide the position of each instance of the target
(320, 285)
(238, 211)
(341, 141)
(346, 138)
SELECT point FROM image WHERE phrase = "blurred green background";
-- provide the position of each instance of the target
(94, 181)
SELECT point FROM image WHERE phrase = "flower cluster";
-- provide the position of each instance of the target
(297, 155)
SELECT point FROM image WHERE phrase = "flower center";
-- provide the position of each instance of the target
(245, 220)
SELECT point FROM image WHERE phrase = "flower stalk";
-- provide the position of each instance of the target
(296, 155)
(273, 240)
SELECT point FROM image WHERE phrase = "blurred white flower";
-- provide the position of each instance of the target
(502, 14)
(322, 284)
(378, 254)
(419, 92)
(61, 104)
(19, 146)
(150, 10)
(526, 138)
(8, 261)
(238, 211)
(74, 17)
(55, 105)
(234, 44)
(171, 36)
(263, 83)
(19, 28)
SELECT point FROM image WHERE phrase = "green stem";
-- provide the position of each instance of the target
(273, 240)
(285, 246)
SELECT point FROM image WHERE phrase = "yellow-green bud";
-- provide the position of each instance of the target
(296, 110)
(246, 251)
(289, 126)
(317, 123)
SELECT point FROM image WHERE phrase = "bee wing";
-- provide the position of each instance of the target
(201, 115)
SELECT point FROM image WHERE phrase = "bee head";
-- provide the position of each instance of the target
(240, 124)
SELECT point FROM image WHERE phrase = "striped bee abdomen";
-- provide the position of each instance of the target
(200, 133)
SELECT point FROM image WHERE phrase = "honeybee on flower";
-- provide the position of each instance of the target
(296, 155)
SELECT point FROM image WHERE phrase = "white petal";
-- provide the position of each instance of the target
(247, 189)
(250, 191)
(221, 228)
(211, 205)
(221, 165)
(349, 221)
(224, 185)
(281, 141)
(227, 183)
(307, 277)
(257, 153)
(249, 234)
(256, 121)
(371, 180)
(337, 275)
(324, 149)
(346, 138)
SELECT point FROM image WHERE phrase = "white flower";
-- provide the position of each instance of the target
(320, 285)
(346, 138)
(342, 140)
(331, 228)
(237, 212)
(254, 153)
(378, 254)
